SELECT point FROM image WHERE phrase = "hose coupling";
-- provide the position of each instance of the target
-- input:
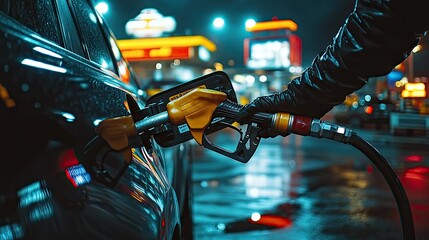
(321, 129)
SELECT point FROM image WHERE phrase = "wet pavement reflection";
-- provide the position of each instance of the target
(306, 188)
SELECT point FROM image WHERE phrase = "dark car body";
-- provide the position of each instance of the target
(61, 73)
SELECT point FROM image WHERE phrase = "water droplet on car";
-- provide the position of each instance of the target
(25, 87)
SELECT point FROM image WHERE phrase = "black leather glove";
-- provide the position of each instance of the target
(292, 100)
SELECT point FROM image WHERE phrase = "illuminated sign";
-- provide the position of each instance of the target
(157, 53)
(414, 90)
(167, 48)
(150, 23)
(273, 25)
(269, 53)
(272, 52)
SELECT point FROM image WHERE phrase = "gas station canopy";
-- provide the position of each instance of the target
(166, 48)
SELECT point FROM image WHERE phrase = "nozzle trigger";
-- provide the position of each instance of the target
(246, 146)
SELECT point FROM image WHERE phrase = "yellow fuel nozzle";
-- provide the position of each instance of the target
(196, 109)
(116, 132)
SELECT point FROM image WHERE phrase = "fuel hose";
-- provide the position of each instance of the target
(306, 126)
(392, 180)
(285, 123)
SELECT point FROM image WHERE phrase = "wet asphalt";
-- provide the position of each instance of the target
(307, 188)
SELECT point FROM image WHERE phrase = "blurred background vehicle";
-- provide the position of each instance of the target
(61, 74)
(364, 111)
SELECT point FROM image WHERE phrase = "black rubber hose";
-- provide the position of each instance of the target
(392, 180)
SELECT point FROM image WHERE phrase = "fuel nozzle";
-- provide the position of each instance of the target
(287, 123)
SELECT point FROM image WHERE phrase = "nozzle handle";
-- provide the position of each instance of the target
(230, 109)
(280, 122)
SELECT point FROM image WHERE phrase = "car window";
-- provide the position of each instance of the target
(123, 68)
(70, 34)
(125, 71)
(93, 39)
(38, 15)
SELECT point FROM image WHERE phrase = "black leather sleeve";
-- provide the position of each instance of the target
(376, 36)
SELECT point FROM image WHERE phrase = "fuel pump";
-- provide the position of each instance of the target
(209, 104)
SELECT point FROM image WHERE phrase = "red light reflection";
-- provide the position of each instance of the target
(67, 159)
(273, 221)
(369, 109)
(370, 169)
(414, 158)
(416, 179)
(71, 179)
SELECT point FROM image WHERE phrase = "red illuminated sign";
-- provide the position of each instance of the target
(163, 53)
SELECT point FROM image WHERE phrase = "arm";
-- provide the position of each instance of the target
(376, 36)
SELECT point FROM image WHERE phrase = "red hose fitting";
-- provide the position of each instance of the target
(301, 125)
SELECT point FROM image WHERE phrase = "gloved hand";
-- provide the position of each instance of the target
(357, 53)
(293, 100)
(264, 104)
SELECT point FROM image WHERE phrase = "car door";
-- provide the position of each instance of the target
(62, 88)
(147, 168)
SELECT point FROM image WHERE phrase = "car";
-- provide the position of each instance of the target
(377, 112)
(61, 75)
(365, 111)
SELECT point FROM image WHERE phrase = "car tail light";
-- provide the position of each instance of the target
(74, 171)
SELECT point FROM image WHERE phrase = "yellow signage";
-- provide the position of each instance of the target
(162, 52)
(167, 42)
(415, 86)
(136, 53)
(158, 53)
(273, 25)
(414, 90)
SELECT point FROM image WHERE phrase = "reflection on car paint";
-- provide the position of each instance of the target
(38, 64)
(78, 175)
(11, 231)
(41, 212)
(47, 52)
(68, 116)
(4, 95)
(51, 98)
(96, 122)
(143, 182)
(32, 193)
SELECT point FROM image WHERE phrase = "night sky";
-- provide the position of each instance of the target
(318, 22)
